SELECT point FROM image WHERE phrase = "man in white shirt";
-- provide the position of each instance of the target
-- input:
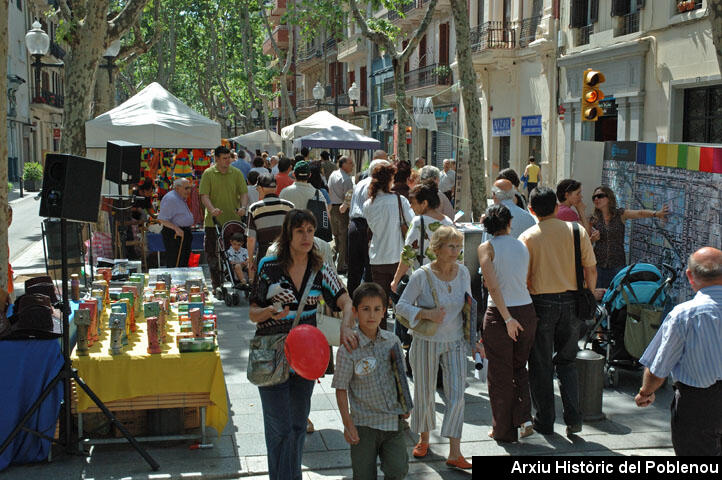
(358, 244)
(521, 220)
(339, 182)
(448, 179)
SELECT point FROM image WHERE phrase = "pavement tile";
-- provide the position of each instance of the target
(247, 423)
(251, 444)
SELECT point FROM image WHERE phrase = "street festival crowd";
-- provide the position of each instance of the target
(390, 231)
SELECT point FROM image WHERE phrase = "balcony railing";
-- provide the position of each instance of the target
(50, 98)
(498, 35)
(391, 16)
(427, 76)
(630, 24)
(306, 105)
(57, 51)
(527, 32)
(583, 35)
(307, 52)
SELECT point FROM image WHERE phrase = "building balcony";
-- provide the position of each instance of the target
(424, 81)
(49, 98)
(310, 57)
(527, 31)
(353, 49)
(583, 35)
(305, 107)
(56, 50)
(280, 35)
(627, 24)
(413, 12)
(493, 35)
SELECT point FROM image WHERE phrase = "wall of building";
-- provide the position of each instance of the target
(19, 148)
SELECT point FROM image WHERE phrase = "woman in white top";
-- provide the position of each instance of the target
(424, 200)
(451, 281)
(509, 327)
(386, 214)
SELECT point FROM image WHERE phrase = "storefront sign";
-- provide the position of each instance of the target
(532, 125)
(56, 134)
(424, 113)
(501, 127)
(622, 151)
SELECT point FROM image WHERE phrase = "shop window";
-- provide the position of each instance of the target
(703, 115)
(535, 148)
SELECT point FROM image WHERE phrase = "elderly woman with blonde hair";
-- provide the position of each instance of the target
(432, 302)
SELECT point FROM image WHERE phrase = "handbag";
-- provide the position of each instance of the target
(405, 279)
(331, 328)
(424, 326)
(323, 224)
(267, 363)
(586, 303)
(642, 322)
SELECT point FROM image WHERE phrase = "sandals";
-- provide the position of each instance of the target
(309, 426)
(525, 431)
(459, 463)
(421, 450)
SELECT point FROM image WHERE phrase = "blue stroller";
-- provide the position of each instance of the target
(637, 294)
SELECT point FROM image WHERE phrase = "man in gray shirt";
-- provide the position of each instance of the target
(177, 220)
(339, 182)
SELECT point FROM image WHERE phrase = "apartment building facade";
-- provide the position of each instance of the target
(663, 81)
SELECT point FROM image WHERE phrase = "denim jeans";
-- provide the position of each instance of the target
(555, 349)
(285, 410)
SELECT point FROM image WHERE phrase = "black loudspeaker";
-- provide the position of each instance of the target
(122, 162)
(73, 239)
(71, 188)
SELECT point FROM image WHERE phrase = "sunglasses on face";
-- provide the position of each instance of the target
(599, 195)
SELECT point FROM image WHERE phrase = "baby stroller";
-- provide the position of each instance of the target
(629, 316)
(224, 234)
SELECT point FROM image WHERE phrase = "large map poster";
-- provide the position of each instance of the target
(695, 202)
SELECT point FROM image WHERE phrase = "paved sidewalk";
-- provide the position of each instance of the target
(240, 449)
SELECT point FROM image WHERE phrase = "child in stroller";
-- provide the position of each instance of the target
(238, 258)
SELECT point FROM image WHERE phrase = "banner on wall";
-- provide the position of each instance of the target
(501, 127)
(424, 116)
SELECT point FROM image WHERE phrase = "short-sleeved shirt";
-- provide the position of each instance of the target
(551, 256)
(338, 184)
(283, 180)
(366, 374)
(243, 166)
(382, 215)
(689, 342)
(274, 285)
(533, 171)
(265, 221)
(447, 181)
(568, 214)
(237, 256)
(300, 193)
(225, 191)
(410, 254)
(175, 210)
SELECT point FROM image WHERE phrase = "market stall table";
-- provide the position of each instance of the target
(137, 380)
(155, 242)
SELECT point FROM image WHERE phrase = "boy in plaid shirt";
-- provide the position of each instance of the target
(365, 377)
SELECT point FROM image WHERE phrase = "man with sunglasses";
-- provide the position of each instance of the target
(177, 219)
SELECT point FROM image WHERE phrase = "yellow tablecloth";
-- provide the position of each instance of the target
(136, 373)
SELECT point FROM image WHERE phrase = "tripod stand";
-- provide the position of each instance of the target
(66, 373)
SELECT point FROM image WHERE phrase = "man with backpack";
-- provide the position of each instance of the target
(303, 195)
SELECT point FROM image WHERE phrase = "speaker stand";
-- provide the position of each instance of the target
(67, 373)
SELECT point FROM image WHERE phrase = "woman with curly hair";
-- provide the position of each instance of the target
(388, 215)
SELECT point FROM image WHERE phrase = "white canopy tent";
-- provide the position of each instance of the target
(320, 120)
(153, 118)
(339, 138)
(260, 140)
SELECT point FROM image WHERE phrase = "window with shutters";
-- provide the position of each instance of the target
(364, 89)
(444, 44)
(703, 115)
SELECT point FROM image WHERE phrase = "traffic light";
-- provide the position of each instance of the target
(591, 95)
(408, 135)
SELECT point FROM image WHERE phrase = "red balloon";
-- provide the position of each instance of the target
(307, 351)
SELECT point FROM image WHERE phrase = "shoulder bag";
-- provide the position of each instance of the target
(267, 363)
(323, 225)
(586, 303)
(402, 220)
(424, 327)
(419, 258)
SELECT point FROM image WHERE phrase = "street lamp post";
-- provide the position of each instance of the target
(109, 55)
(354, 94)
(254, 116)
(38, 43)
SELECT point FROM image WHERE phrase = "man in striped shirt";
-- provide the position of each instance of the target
(265, 220)
(689, 346)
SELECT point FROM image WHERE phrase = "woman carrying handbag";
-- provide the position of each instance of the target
(286, 293)
(432, 303)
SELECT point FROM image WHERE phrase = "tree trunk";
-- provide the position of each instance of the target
(86, 49)
(715, 18)
(104, 92)
(402, 115)
(472, 109)
(3, 145)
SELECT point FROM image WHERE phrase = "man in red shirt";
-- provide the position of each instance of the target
(283, 178)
